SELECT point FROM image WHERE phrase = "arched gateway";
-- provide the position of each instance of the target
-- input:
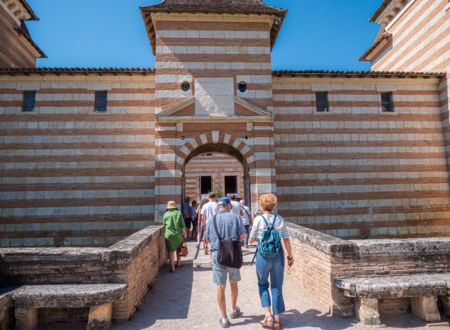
(256, 154)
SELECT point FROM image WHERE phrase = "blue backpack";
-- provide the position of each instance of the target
(270, 245)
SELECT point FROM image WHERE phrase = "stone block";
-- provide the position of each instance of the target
(26, 318)
(425, 308)
(366, 310)
(100, 317)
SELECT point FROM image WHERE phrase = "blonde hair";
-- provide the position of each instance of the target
(268, 201)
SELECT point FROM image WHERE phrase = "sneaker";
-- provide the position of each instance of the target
(236, 314)
(224, 324)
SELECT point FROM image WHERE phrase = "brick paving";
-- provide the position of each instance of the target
(186, 299)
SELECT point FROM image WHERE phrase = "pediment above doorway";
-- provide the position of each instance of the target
(243, 110)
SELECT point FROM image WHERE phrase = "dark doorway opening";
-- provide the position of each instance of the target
(231, 185)
(205, 184)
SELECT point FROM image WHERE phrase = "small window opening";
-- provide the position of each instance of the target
(387, 103)
(322, 102)
(205, 185)
(230, 185)
(242, 87)
(185, 86)
(100, 101)
(29, 100)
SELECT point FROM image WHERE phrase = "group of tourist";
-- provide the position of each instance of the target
(230, 220)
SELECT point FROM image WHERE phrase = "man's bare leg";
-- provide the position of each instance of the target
(234, 293)
(221, 300)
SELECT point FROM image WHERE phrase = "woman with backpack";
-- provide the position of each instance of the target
(268, 230)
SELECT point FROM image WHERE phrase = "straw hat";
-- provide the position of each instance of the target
(171, 205)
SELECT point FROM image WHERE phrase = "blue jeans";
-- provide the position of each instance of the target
(275, 268)
(246, 234)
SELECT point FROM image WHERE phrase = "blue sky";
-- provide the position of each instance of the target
(316, 35)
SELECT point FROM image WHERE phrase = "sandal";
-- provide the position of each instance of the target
(276, 324)
(267, 322)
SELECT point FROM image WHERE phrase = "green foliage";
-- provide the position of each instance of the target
(218, 193)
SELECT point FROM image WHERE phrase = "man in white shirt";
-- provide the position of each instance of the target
(247, 221)
(209, 210)
(236, 206)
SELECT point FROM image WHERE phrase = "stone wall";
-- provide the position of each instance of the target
(70, 176)
(355, 171)
(321, 258)
(135, 260)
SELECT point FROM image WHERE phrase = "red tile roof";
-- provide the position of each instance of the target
(215, 6)
(212, 6)
(279, 73)
(358, 74)
(74, 71)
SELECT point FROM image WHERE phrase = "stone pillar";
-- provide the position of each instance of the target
(100, 317)
(425, 308)
(26, 318)
(366, 310)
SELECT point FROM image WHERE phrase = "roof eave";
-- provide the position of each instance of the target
(379, 11)
(30, 11)
(357, 74)
(377, 46)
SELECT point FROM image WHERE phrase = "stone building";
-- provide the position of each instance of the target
(91, 155)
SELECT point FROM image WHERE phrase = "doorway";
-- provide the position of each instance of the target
(215, 168)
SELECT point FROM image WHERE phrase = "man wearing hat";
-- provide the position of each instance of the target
(230, 227)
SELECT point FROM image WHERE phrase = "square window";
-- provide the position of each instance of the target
(100, 101)
(29, 98)
(230, 185)
(387, 103)
(322, 102)
(205, 184)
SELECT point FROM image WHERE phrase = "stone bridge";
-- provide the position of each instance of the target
(155, 298)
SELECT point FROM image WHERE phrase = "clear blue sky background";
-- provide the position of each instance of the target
(316, 35)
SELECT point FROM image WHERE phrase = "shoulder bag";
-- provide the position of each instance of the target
(230, 252)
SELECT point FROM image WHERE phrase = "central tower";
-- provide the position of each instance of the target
(213, 52)
(213, 86)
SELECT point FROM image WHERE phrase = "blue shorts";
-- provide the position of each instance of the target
(220, 272)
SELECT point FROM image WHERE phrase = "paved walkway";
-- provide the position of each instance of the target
(186, 299)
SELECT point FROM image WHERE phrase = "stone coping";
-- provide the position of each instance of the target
(337, 247)
(120, 253)
(67, 295)
(418, 285)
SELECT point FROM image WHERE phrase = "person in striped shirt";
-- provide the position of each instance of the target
(274, 265)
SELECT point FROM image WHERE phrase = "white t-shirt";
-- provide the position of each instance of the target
(210, 209)
(245, 219)
(236, 208)
(259, 226)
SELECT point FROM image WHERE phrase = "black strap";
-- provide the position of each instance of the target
(215, 227)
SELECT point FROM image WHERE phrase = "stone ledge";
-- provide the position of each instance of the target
(328, 244)
(67, 296)
(336, 247)
(120, 253)
(419, 285)
(403, 247)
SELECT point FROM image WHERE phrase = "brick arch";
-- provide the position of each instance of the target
(219, 139)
